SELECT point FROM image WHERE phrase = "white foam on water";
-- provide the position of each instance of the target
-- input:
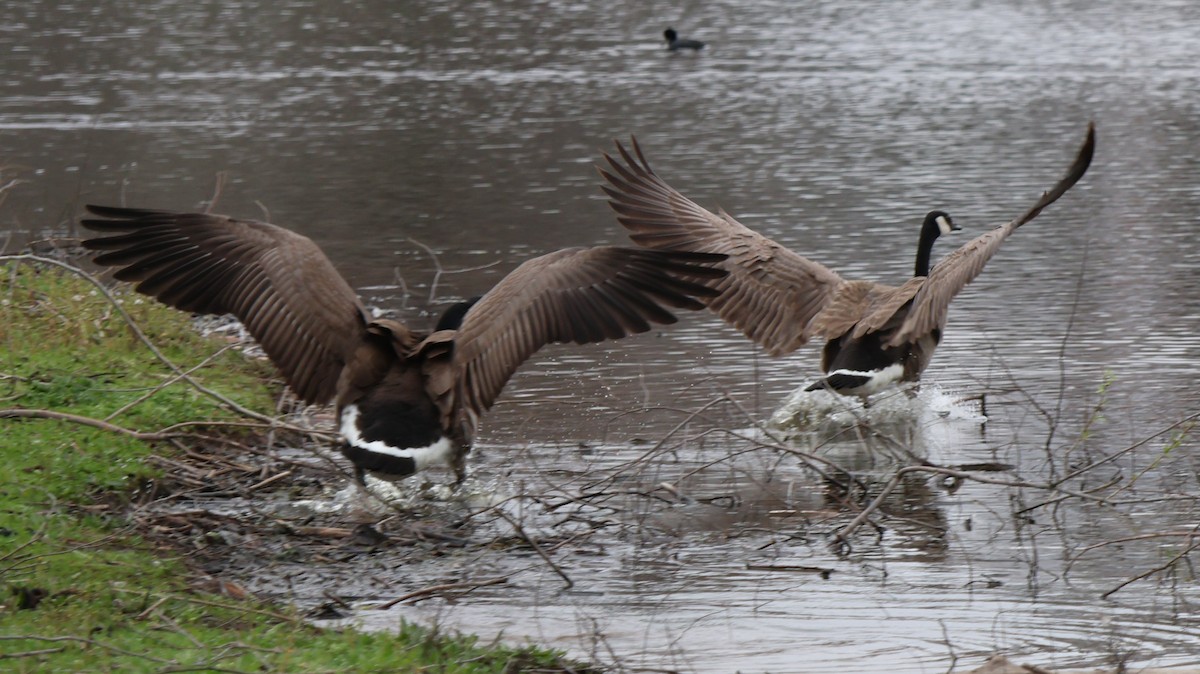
(820, 410)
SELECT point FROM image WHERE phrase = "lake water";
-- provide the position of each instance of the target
(472, 129)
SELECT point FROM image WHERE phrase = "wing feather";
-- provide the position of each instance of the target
(278, 283)
(959, 268)
(578, 295)
(771, 293)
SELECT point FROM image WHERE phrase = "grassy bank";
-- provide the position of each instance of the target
(84, 590)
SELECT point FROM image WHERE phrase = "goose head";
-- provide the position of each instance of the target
(936, 224)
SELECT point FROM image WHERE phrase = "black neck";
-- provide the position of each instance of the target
(452, 318)
(929, 234)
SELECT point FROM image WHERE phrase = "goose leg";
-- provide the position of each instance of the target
(459, 465)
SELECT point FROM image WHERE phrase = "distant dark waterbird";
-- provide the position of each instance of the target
(405, 400)
(674, 42)
(876, 335)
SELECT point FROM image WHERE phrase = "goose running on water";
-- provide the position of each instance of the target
(405, 400)
(875, 335)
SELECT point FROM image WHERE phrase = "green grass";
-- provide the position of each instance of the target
(67, 349)
(82, 592)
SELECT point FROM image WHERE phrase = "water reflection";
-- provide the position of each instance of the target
(472, 127)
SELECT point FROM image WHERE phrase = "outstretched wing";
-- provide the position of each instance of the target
(771, 293)
(278, 283)
(578, 295)
(959, 268)
(862, 307)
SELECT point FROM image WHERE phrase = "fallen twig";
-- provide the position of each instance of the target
(82, 640)
(32, 654)
(819, 570)
(17, 413)
(446, 587)
(270, 480)
(137, 331)
(536, 548)
(210, 358)
(1162, 567)
(215, 604)
(843, 535)
(323, 532)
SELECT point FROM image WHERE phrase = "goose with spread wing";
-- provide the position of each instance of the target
(875, 335)
(405, 400)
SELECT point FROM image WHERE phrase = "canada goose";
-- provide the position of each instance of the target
(875, 334)
(405, 400)
(674, 42)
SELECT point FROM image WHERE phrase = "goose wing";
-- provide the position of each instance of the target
(578, 295)
(862, 307)
(959, 268)
(770, 294)
(278, 283)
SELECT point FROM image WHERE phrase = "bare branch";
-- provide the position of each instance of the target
(459, 588)
(137, 331)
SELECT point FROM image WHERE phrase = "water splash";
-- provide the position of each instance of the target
(805, 411)
(381, 498)
(898, 427)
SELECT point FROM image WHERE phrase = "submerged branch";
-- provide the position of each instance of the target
(458, 588)
(1146, 574)
(842, 536)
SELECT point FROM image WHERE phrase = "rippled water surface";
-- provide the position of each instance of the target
(471, 129)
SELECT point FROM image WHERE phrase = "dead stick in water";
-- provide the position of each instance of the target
(321, 532)
(446, 587)
(1128, 581)
(842, 537)
(537, 548)
(819, 570)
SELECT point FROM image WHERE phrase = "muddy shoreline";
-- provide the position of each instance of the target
(552, 558)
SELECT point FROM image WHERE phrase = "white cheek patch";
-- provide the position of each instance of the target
(441, 450)
(944, 224)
